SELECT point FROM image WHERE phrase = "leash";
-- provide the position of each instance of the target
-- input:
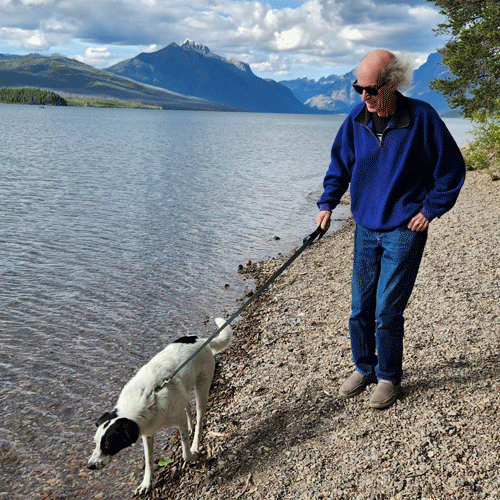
(307, 242)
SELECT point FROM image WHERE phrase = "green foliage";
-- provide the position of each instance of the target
(31, 96)
(96, 102)
(473, 54)
(165, 462)
(484, 151)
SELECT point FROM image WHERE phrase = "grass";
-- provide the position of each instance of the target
(97, 102)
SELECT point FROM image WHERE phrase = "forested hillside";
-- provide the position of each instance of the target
(31, 96)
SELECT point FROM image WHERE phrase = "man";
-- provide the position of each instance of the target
(404, 169)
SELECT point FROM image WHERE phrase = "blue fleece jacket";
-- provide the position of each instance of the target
(416, 167)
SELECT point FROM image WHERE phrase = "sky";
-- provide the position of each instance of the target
(279, 39)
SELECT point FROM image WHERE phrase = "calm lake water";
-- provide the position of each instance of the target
(120, 230)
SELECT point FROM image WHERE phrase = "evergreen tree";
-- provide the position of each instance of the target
(31, 96)
(472, 54)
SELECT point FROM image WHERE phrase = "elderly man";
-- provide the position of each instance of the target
(404, 169)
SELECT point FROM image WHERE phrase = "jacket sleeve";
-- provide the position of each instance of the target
(338, 175)
(449, 172)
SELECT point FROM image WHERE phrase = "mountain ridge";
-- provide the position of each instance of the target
(335, 94)
(191, 69)
(68, 76)
(190, 76)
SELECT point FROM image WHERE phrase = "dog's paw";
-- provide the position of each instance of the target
(194, 456)
(143, 489)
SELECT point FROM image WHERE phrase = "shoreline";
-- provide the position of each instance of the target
(276, 428)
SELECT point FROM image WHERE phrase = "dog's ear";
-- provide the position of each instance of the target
(109, 415)
(119, 435)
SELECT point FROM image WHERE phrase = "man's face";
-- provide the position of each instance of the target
(383, 101)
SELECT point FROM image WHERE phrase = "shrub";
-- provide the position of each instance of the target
(484, 152)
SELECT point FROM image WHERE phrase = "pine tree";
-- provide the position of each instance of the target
(472, 54)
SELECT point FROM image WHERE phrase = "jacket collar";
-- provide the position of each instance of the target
(400, 119)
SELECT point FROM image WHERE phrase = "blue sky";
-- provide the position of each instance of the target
(280, 39)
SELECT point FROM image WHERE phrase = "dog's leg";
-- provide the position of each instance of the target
(201, 392)
(189, 418)
(147, 482)
(187, 455)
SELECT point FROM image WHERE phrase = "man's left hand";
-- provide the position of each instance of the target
(418, 223)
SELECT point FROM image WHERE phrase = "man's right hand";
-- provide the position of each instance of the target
(323, 219)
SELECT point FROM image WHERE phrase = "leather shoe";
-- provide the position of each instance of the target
(384, 394)
(356, 384)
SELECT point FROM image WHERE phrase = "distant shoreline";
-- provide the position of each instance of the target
(39, 98)
(73, 100)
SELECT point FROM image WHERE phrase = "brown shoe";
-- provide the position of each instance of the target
(384, 394)
(356, 384)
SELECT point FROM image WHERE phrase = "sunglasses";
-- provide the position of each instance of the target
(372, 91)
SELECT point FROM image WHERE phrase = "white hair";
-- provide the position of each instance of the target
(400, 70)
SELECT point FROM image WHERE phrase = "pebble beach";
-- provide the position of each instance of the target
(276, 427)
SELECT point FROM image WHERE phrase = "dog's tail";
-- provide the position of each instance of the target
(223, 340)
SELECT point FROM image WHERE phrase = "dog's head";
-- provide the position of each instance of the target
(113, 435)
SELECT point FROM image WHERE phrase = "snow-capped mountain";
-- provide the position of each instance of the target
(191, 69)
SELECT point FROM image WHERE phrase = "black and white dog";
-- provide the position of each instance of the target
(141, 410)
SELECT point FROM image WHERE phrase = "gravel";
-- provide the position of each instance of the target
(276, 428)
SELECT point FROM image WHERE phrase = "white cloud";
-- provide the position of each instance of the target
(63, 26)
(151, 48)
(99, 57)
(320, 33)
(273, 64)
(26, 39)
(36, 41)
(97, 54)
(290, 39)
(352, 34)
(424, 13)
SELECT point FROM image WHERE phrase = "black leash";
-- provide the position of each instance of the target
(308, 241)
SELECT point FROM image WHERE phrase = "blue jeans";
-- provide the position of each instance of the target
(384, 272)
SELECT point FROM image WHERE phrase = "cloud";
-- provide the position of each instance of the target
(321, 33)
(291, 39)
(96, 56)
(29, 40)
(272, 64)
(152, 48)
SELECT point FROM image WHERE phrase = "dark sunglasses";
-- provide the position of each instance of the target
(373, 91)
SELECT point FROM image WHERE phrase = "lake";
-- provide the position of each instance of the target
(121, 230)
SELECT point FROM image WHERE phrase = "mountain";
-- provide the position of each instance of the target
(64, 75)
(191, 77)
(191, 69)
(423, 76)
(335, 93)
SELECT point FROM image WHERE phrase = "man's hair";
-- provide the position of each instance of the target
(400, 70)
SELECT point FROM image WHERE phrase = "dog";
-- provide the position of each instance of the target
(142, 409)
